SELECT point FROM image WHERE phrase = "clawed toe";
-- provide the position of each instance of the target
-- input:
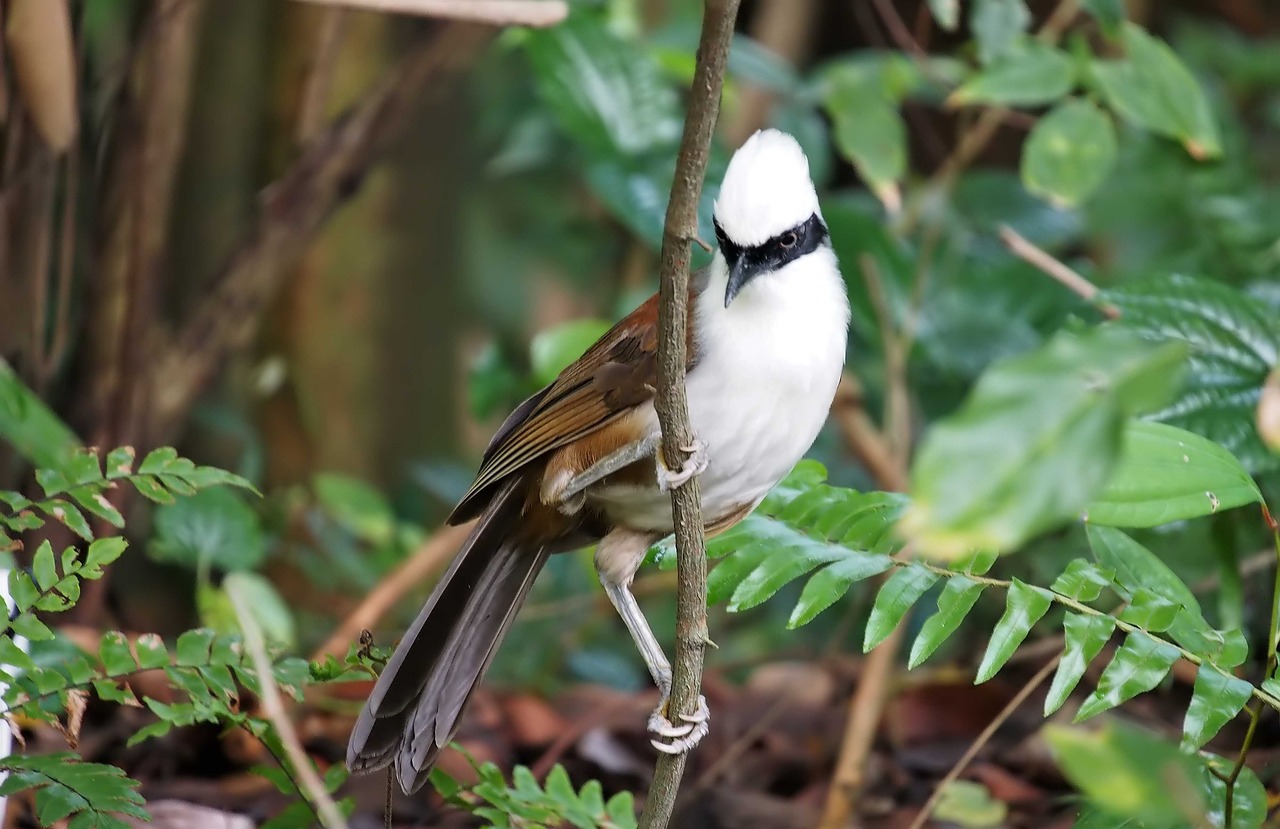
(695, 464)
(677, 739)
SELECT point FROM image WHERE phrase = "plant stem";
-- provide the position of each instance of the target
(673, 412)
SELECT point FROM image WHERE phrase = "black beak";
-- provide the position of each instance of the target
(741, 272)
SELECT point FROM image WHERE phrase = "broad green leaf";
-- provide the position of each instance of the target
(1085, 638)
(1083, 580)
(356, 506)
(997, 26)
(1069, 153)
(192, 647)
(120, 462)
(552, 349)
(214, 528)
(1234, 342)
(946, 12)
(954, 603)
(1030, 74)
(1168, 474)
(31, 427)
(869, 132)
(1023, 608)
(899, 592)
(621, 810)
(1249, 799)
(117, 657)
(1150, 611)
(1127, 772)
(1138, 666)
(1154, 89)
(1034, 441)
(102, 551)
(1218, 697)
(831, 583)
(151, 651)
(44, 569)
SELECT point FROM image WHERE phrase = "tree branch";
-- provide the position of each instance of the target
(294, 209)
(673, 412)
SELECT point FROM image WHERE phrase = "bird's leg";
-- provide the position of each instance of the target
(606, 466)
(695, 464)
(617, 558)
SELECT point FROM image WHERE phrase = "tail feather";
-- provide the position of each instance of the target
(419, 699)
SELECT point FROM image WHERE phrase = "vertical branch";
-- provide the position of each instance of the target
(673, 412)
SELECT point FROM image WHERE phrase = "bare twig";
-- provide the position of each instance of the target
(492, 12)
(982, 739)
(304, 773)
(322, 65)
(293, 211)
(863, 438)
(430, 557)
(673, 411)
(1029, 252)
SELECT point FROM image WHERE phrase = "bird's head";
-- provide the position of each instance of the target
(767, 213)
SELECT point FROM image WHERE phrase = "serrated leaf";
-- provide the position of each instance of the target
(1138, 666)
(954, 603)
(1127, 772)
(899, 592)
(1034, 441)
(1218, 697)
(1083, 580)
(1153, 88)
(1085, 638)
(832, 582)
(1023, 608)
(1069, 153)
(1168, 474)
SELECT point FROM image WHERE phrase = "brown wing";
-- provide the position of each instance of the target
(617, 373)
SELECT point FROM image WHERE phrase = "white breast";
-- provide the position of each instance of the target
(768, 370)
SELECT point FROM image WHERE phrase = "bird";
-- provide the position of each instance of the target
(577, 463)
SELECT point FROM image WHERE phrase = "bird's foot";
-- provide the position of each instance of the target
(673, 738)
(695, 464)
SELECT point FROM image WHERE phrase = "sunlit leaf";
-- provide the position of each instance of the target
(1218, 697)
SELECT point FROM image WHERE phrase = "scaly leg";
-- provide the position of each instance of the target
(620, 459)
(617, 559)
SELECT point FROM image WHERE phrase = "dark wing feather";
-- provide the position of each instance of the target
(617, 373)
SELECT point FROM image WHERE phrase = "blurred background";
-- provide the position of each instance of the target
(329, 249)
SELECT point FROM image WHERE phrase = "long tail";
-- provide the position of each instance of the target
(418, 701)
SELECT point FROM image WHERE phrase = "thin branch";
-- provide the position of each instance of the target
(294, 209)
(304, 772)
(1029, 252)
(492, 12)
(982, 739)
(672, 405)
(430, 557)
(323, 65)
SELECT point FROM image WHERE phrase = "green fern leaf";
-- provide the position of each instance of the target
(899, 592)
(954, 603)
(1218, 697)
(1138, 666)
(1085, 638)
(1025, 606)
(832, 582)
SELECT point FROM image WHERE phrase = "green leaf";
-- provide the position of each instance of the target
(899, 592)
(69, 515)
(1031, 74)
(1109, 13)
(1085, 638)
(1234, 341)
(969, 804)
(553, 349)
(44, 569)
(1154, 89)
(946, 12)
(832, 582)
(997, 26)
(1249, 797)
(31, 427)
(264, 603)
(1168, 474)
(149, 488)
(1138, 666)
(356, 507)
(117, 657)
(1083, 580)
(1069, 153)
(954, 603)
(621, 810)
(1218, 697)
(120, 462)
(868, 130)
(214, 528)
(1150, 611)
(1024, 607)
(192, 647)
(1034, 441)
(102, 551)
(1126, 772)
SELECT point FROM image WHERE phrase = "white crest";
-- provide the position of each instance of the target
(766, 189)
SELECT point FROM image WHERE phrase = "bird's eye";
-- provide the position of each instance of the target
(788, 239)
